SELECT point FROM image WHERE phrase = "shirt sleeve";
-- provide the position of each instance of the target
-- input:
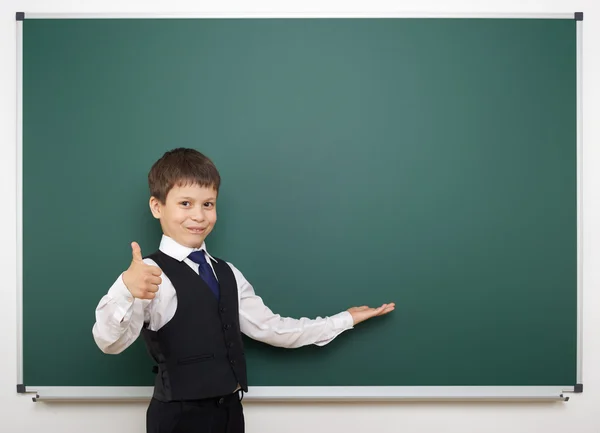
(257, 321)
(120, 317)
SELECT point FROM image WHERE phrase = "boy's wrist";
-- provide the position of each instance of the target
(120, 293)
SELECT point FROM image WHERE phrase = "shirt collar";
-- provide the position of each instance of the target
(178, 251)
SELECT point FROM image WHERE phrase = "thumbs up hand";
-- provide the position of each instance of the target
(142, 280)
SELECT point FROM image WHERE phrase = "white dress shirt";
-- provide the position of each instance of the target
(120, 317)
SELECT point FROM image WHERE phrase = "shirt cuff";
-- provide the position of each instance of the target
(122, 298)
(342, 321)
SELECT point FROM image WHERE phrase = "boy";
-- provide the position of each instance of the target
(191, 308)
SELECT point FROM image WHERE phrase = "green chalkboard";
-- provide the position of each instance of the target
(429, 162)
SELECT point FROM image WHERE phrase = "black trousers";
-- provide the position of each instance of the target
(211, 415)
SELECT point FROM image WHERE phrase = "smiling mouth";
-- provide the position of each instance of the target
(196, 230)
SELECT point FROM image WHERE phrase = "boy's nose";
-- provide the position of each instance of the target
(198, 216)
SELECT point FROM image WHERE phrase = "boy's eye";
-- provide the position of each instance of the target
(209, 205)
(185, 203)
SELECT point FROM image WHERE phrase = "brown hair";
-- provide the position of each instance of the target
(181, 166)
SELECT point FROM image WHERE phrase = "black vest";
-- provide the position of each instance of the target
(199, 352)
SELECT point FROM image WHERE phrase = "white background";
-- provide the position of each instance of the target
(581, 414)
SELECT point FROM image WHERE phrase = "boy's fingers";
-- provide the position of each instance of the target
(136, 252)
(152, 288)
(154, 280)
(369, 312)
(155, 270)
(388, 309)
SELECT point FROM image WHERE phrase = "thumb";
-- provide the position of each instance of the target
(136, 252)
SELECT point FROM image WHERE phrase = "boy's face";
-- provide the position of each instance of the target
(188, 214)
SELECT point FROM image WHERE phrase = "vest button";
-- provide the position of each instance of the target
(232, 362)
(230, 344)
(223, 309)
(226, 326)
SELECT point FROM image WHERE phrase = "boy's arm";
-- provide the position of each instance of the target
(257, 321)
(120, 315)
(119, 319)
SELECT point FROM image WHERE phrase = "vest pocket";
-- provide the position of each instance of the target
(196, 358)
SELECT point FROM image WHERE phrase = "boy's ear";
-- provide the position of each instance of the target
(155, 207)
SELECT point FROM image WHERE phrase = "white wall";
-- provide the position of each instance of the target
(581, 414)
